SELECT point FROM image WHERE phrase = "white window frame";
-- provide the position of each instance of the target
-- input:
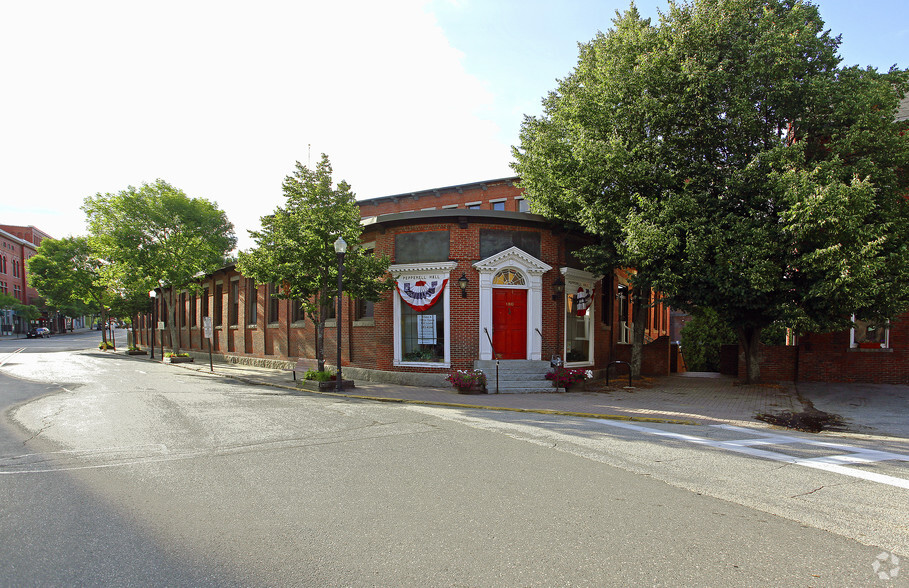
(853, 344)
(449, 206)
(469, 204)
(575, 278)
(415, 271)
(492, 203)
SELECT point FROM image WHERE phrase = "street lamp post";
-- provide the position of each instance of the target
(340, 250)
(153, 295)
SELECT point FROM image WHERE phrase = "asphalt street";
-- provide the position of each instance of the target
(123, 471)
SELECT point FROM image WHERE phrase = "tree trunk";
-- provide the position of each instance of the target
(320, 341)
(172, 322)
(638, 312)
(750, 340)
(104, 327)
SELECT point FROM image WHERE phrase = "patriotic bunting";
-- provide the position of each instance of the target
(421, 293)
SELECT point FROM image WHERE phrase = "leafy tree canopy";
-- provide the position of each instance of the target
(295, 246)
(726, 155)
(156, 234)
(66, 273)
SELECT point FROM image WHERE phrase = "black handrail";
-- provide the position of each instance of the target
(495, 355)
(612, 363)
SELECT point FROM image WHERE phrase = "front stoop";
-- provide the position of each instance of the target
(516, 376)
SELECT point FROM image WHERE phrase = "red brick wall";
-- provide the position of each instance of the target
(655, 359)
(371, 345)
(827, 357)
(458, 195)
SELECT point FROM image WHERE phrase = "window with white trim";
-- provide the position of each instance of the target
(579, 331)
(869, 334)
(422, 314)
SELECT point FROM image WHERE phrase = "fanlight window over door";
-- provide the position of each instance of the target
(508, 277)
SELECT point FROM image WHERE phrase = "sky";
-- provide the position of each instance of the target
(221, 98)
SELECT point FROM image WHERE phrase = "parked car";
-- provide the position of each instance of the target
(36, 332)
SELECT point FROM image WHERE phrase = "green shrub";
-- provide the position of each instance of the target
(102, 345)
(702, 338)
(318, 376)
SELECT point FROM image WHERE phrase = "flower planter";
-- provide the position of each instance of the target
(475, 389)
(178, 360)
(327, 386)
(869, 345)
(136, 352)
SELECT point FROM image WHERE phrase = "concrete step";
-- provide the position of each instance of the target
(512, 365)
(527, 389)
(517, 376)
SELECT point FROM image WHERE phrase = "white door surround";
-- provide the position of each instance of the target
(532, 270)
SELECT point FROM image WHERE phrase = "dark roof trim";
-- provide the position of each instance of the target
(459, 188)
(461, 216)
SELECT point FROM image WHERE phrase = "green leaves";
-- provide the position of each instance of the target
(295, 246)
(156, 232)
(726, 157)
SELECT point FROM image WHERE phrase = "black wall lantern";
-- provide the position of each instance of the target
(463, 282)
(559, 287)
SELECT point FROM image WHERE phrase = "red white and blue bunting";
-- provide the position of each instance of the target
(582, 300)
(421, 293)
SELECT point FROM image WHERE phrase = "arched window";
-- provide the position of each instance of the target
(508, 277)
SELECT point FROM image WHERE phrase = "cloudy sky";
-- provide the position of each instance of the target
(221, 98)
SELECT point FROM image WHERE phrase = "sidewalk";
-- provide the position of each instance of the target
(701, 399)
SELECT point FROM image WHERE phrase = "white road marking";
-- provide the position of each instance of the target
(829, 463)
(10, 355)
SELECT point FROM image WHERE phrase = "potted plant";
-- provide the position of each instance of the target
(468, 381)
(133, 350)
(563, 377)
(178, 358)
(316, 380)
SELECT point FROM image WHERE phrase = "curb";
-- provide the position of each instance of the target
(299, 392)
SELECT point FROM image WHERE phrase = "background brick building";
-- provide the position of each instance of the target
(526, 297)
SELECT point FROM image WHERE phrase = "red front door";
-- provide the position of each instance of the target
(509, 323)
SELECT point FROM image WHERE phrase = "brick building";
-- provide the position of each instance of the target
(525, 297)
(17, 245)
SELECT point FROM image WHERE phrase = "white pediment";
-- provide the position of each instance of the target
(512, 257)
(410, 269)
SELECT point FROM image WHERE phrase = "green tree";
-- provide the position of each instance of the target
(596, 150)
(702, 338)
(67, 274)
(781, 196)
(28, 312)
(295, 248)
(156, 234)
